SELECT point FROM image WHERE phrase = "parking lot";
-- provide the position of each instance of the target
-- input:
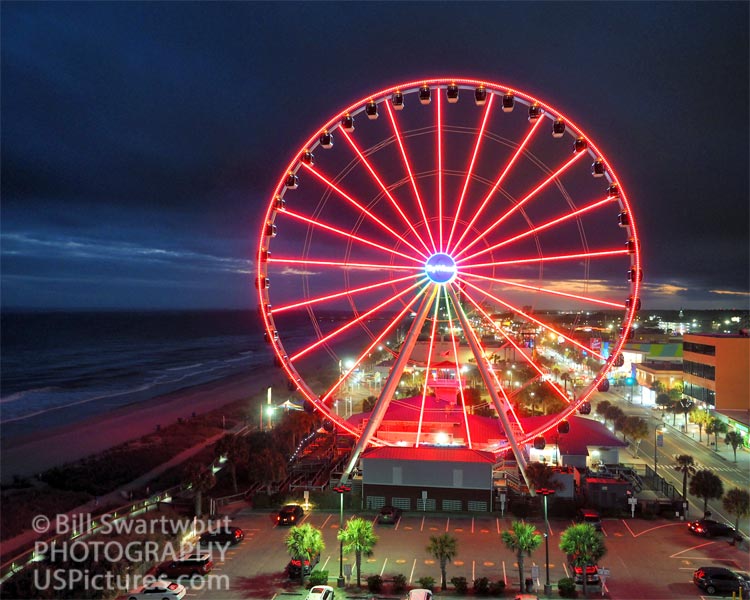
(648, 559)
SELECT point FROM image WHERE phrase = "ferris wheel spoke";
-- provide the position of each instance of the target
(348, 292)
(506, 170)
(542, 373)
(409, 172)
(345, 264)
(541, 259)
(440, 168)
(433, 330)
(543, 226)
(458, 367)
(526, 198)
(470, 170)
(352, 323)
(547, 290)
(362, 208)
(318, 223)
(528, 317)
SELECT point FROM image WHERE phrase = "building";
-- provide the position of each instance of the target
(715, 370)
(650, 372)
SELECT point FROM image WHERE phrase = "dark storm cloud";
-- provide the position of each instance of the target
(165, 126)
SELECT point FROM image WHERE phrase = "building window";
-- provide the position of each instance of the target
(699, 348)
(699, 393)
(458, 478)
(699, 370)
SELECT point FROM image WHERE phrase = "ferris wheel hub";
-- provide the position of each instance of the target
(441, 268)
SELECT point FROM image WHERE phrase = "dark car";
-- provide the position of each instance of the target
(189, 566)
(389, 515)
(592, 575)
(719, 579)
(223, 535)
(711, 528)
(294, 566)
(291, 514)
(587, 515)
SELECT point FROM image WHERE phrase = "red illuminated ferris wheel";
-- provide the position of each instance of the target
(443, 234)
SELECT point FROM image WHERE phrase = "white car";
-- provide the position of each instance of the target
(320, 592)
(159, 590)
(420, 594)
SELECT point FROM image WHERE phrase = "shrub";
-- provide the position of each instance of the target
(427, 583)
(375, 583)
(497, 588)
(399, 583)
(460, 584)
(318, 577)
(482, 586)
(567, 587)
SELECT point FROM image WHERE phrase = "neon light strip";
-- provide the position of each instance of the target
(359, 206)
(512, 342)
(507, 169)
(530, 318)
(471, 167)
(367, 351)
(348, 235)
(332, 263)
(558, 257)
(427, 370)
(458, 368)
(543, 226)
(343, 328)
(340, 294)
(528, 197)
(440, 170)
(408, 170)
(547, 291)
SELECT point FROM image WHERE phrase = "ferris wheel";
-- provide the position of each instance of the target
(444, 234)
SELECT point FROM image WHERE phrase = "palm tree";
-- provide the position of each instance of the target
(200, 480)
(601, 407)
(358, 537)
(304, 542)
(522, 538)
(234, 448)
(706, 485)
(715, 427)
(735, 439)
(443, 548)
(584, 547)
(612, 413)
(685, 464)
(700, 417)
(540, 475)
(269, 466)
(565, 378)
(637, 428)
(737, 502)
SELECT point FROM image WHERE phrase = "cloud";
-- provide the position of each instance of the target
(291, 271)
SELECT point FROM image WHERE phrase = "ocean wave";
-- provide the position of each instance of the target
(25, 394)
(184, 368)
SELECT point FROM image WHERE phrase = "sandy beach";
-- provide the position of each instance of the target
(32, 453)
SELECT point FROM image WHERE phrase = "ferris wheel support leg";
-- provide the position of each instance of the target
(378, 412)
(490, 385)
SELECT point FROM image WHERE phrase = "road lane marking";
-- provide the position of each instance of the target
(447, 524)
(422, 526)
(472, 524)
(414, 566)
(505, 575)
(473, 570)
(624, 522)
(326, 521)
(385, 562)
(497, 522)
(676, 554)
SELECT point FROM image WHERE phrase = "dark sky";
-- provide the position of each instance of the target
(140, 142)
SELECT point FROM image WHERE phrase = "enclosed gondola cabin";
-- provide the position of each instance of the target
(326, 140)
(480, 96)
(347, 123)
(509, 101)
(425, 94)
(452, 93)
(371, 110)
(397, 100)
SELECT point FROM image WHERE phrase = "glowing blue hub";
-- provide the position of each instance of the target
(441, 268)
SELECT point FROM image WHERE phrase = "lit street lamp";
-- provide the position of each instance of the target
(341, 490)
(547, 586)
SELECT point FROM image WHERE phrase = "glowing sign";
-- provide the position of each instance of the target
(440, 268)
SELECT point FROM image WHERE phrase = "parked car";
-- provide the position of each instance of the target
(189, 566)
(389, 515)
(592, 575)
(223, 535)
(719, 579)
(711, 528)
(320, 592)
(291, 514)
(420, 594)
(588, 515)
(161, 590)
(307, 565)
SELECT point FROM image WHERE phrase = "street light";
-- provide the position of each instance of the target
(341, 490)
(547, 586)
(658, 441)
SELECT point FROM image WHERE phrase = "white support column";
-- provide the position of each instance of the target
(378, 412)
(489, 383)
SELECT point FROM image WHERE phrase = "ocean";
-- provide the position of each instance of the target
(60, 367)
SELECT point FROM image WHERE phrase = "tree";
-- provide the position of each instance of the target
(200, 480)
(734, 439)
(657, 387)
(268, 466)
(584, 547)
(443, 548)
(234, 448)
(304, 542)
(700, 417)
(601, 407)
(565, 378)
(620, 425)
(369, 403)
(664, 402)
(706, 485)
(358, 537)
(737, 502)
(522, 538)
(613, 413)
(540, 476)
(715, 427)
(686, 406)
(685, 464)
(637, 428)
